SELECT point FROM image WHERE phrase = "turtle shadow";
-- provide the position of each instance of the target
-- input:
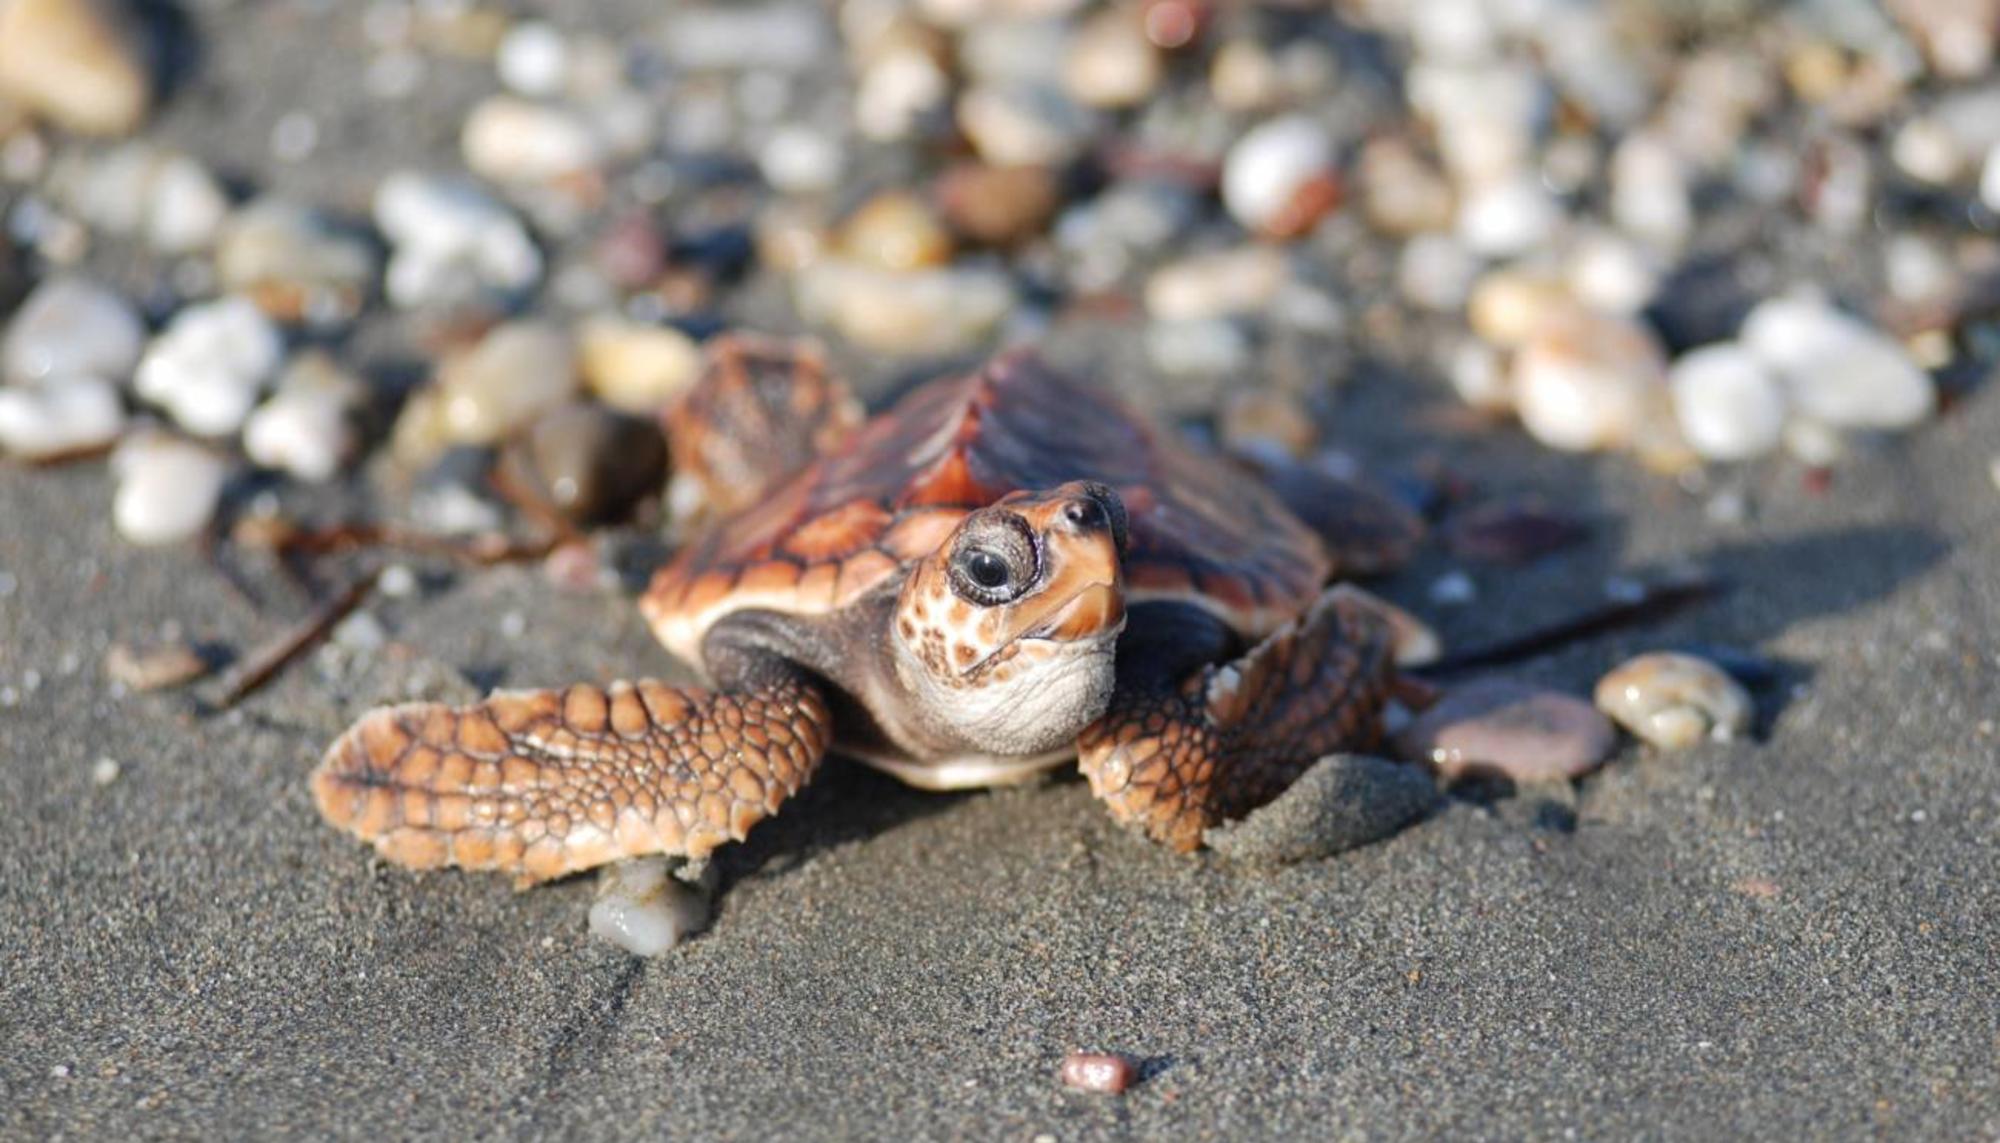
(846, 802)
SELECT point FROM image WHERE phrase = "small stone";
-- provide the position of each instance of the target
(636, 368)
(1225, 283)
(1111, 64)
(104, 772)
(1674, 700)
(1245, 77)
(1254, 420)
(1925, 149)
(1989, 180)
(937, 311)
(1343, 802)
(154, 668)
(997, 206)
(799, 160)
(1508, 217)
(643, 909)
(1610, 273)
(140, 189)
(398, 581)
(1588, 382)
(71, 326)
(1511, 533)
(1402, 193)
(512, 140)
(78, 62)
(1211, 347)
(1815, 444)
(453, 243)
(1453, 589)
(1649, 192)
(1728, 404)
(1836, 369)
(208, 365)
(898, 91)
(1478, 377)
(1102, 1073)
(1023, 125)
(167, 489)
(515, 372)
(294, 137)
(1504, 729)
(1436, 272)
(361, 631)
(894, 231)
(294, 263)
(586, 463)
(307, 429)
(533, 59)
(1508, 306)
(449, 497)
(1278, 178)
(59, 416)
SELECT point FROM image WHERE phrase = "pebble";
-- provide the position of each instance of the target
(997, 206)
(936, 311)
(82, 65)
(294, 262)
(1453, 589)
(1507, 217)
(533, 59)
(167, 488)
(636, 368)
(1023, 125)
(586, 463)
(1674, 701)
(156, 667)
(1402, 193)
(1610, 273)
(1278, 178)
(800, 160)
(1588, 382)
(1925, 149)
(59, 416)
(141, 189)
(898, 91)
(72, 326)
(1343, 802)
(453, 243)
(1224, 283)
(518, 370)
(208, 365)
(1728, 404)
(1509, 532)
(448, 499)
(1477, 374)
(1836, 369)
(644, 909)
(1102, 1073)
(105, 771)
(1210, 347)
(1989, 180)
(1437, 272)
(1505, 729)
(894, 231)
(1649, 192)
(508, 139)
(1509, 305)
(1111, 64)
(1245, 77)
(307, 428)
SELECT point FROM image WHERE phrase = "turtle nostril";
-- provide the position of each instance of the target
(1086, 514)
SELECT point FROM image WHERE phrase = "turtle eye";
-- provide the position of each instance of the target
(993, 565)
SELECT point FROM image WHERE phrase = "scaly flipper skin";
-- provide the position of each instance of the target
(541, 784)
(1175, 758)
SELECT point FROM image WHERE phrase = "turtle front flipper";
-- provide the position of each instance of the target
(1176, 755)
(545, 783)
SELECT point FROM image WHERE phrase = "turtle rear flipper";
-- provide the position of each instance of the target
(545, 783)
(1176, 756)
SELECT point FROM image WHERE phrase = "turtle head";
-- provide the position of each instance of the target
(1007, 632)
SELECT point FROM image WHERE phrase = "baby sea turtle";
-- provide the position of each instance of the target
(1002, 572)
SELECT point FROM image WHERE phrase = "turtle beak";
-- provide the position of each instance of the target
(1083, 532)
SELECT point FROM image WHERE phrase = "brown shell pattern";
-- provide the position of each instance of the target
(1200, 530)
